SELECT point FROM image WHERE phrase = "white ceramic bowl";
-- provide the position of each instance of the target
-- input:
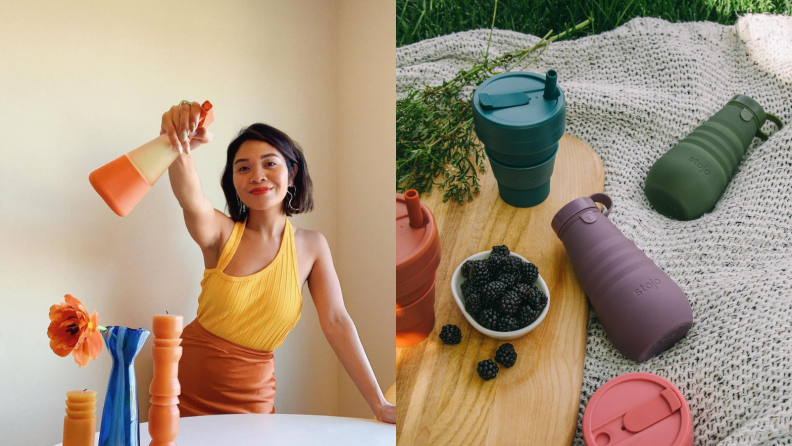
(456, 289)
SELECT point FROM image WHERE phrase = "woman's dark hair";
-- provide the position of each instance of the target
(302, 199)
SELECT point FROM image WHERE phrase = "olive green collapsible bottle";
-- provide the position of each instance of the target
(687, 181)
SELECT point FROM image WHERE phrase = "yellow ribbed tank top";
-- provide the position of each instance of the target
(255, 311)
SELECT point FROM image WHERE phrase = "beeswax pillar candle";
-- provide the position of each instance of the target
(79, 424)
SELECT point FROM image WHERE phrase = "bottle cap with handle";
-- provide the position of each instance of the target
(124, 181)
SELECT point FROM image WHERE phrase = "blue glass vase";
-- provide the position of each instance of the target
(120, 422)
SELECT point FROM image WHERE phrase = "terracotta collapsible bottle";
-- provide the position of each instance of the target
(124, 181)
(642, 310)
(417, 259)
(638, 409)
(687, 181)
(520, 117)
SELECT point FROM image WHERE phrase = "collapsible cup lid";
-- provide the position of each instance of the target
(416, 246)
(639, 405)
(578, 207)
(514, 107)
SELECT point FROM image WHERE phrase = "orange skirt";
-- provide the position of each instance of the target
(221, 377)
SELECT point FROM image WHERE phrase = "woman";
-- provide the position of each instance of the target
(256, 264)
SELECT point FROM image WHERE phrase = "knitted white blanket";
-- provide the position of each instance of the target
(632, 93)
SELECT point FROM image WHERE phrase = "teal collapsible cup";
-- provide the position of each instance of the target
(520, 117)
(523, 187)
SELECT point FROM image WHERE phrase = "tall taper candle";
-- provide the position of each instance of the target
(163, 421)
(79, 424)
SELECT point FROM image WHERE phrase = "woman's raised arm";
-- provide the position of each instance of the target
(203, 221)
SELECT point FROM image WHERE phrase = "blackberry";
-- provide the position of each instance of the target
(500, 251)
(479, 273)
(488, 318)
(468, 288)
(539, 299)
(487, 369)
(507, 323)
(492, 293)
(510, 303)
(510, 279)
(526, 316)
(522, 290)
(512, 264)
(473, 304)
(506, 355)
(495, 264)
(497, 258)
(529, 272)
(535, 298)
(451, 334)
(466, 268)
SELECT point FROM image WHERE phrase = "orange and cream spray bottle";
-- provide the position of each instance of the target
(124, 181)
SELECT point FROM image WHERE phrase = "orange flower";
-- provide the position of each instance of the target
(71, 330)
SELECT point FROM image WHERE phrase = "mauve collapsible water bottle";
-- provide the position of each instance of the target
(687, 181)
(642, 310)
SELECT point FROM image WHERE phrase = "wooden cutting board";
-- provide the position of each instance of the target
(441, 399)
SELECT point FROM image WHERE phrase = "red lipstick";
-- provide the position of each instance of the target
(260, 190)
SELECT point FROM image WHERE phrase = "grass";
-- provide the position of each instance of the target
(417, 20)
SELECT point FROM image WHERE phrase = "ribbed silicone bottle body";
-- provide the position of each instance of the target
(687, 181)
(642, 310)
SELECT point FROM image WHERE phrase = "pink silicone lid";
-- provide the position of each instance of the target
(638, 409)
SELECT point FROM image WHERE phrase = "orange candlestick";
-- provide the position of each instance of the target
(79, 424)
(164, 415)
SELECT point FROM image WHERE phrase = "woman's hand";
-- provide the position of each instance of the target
(181, 125)
(387, 413)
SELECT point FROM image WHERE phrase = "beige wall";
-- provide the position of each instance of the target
(83, 82)
(366, 141)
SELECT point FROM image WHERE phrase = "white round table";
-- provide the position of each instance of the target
(280, 429)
